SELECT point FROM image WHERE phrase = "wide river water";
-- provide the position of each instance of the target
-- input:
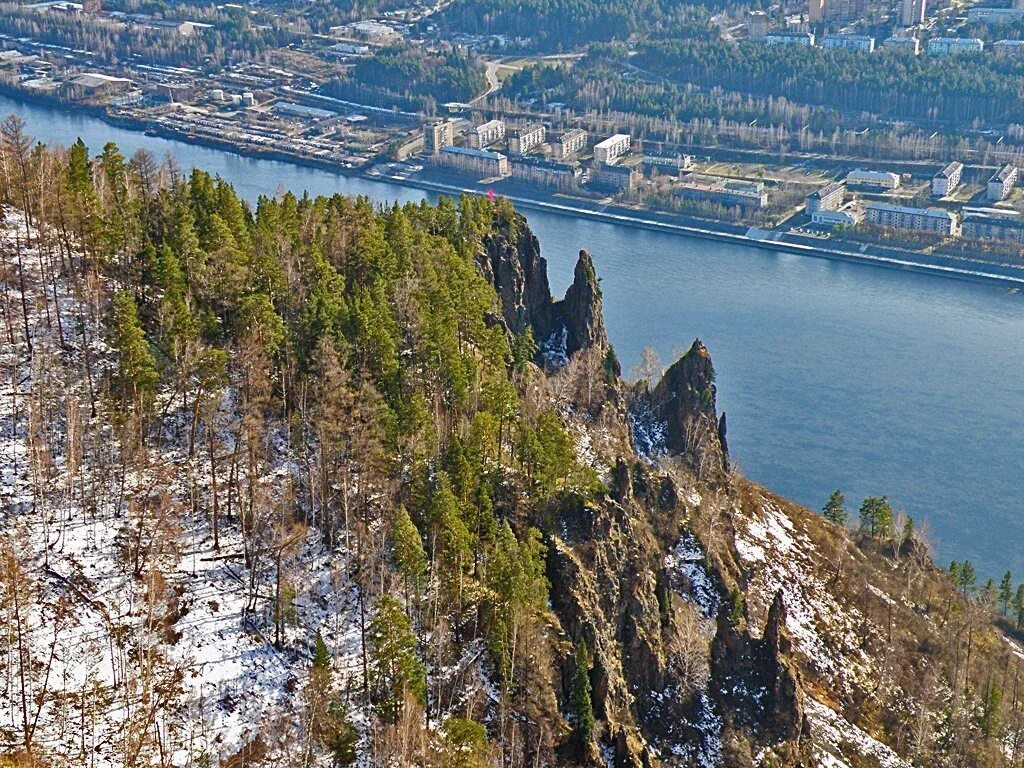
(833, 374)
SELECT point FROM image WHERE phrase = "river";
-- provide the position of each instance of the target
(832, 374)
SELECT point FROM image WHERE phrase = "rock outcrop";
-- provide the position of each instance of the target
(684, 401)
(511, 261)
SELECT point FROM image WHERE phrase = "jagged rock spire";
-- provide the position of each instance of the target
(685, 401)
(511, 261)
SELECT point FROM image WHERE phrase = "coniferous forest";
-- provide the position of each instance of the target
(316, 482)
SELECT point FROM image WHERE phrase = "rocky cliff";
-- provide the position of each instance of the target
(728, 627)
(512, 262)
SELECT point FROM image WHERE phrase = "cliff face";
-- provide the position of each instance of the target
(511, 261)
(728, 627)
(685, 401)
(623, 569)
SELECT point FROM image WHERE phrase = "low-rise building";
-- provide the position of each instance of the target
(547, 173)
(849, 42)
(569, 143)
(948, 179)
(617, 177)
(371, 31)
(91, 84)
(902, 44)
(993, 224)
(790, 38)
(848, 217)
(477, 162)
(931, 220)
(757, 25)
(828, 198)
(1008, 48)
(984, 15)
(729, 192)
(611, 149)
(438, 134)
(675, 164)
(1001, 183)
(955, 46)
(524, 140)
(485, 134)
(873, 179)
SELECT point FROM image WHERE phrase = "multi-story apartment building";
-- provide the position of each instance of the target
(546, 173)
(713, 189)
(477, 162)
(438, 134)
(1007, 48)
(524, 140)
(849, 42)
(873, 179)
(1001, 183)
(948, 179)
(569, 143)
(617, 177)
(993, 224)
(912, 12)
(931, 220)
(485, 134)
(790, 38)
(986, 15)
(839, 10)
(955, 46)
(902, 44)
(611, 149)
(828, 198)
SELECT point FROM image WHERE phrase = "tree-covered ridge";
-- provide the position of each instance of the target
(331, 369)
(413, 78)
(949, 88)
(563, 24)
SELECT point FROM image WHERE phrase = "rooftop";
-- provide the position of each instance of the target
(937, 213)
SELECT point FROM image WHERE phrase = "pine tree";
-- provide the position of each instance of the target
(465, 744)
(396, 670)
(408, 553)
(1018, 604)
(876, 515)
(1006, 592)
(582, 706)
(835, 508)
(968, 579)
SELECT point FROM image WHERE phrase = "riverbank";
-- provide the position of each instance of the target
(978, 270)
(890, 258)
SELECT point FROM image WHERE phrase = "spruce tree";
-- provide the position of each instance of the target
(582, 706)
(321, 653)
(136, 377)
(835, 508)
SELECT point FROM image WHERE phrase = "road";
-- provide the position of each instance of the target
(493, 83)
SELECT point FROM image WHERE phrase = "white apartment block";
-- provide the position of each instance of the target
(611, 149)
(485, 134)
(948, 179)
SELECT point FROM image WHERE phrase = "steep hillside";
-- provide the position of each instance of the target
(313, 483)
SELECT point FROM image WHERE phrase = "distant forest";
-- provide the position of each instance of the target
(412, 78)
(562, 24)
(947, 89)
